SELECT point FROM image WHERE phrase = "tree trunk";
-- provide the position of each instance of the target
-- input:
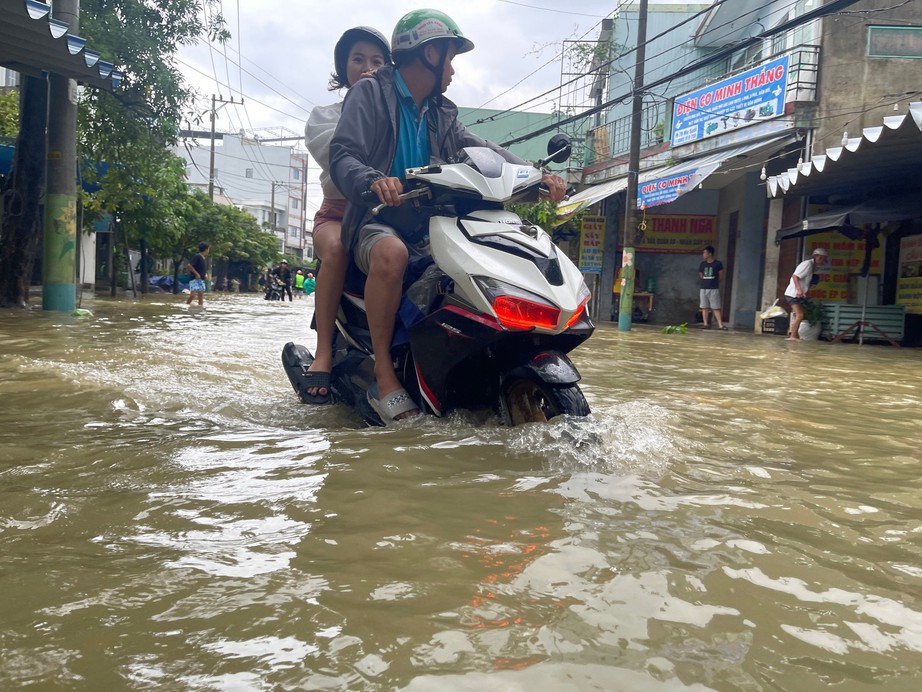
(144, 273)
(22, 219)
(176, 264)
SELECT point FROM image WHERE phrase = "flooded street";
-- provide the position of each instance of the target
(739, 513)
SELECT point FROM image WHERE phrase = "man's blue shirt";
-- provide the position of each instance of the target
(413, 139)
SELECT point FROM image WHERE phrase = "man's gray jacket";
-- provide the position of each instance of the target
(365, 142)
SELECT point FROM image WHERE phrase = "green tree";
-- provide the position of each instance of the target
(130, 130)
(544, 214)
(9, 112)
(234, 237)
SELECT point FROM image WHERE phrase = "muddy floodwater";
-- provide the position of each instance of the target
(738, 513)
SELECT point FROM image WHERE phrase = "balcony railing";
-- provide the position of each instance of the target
(613, 139)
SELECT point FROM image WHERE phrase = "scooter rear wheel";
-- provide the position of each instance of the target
(531, 401)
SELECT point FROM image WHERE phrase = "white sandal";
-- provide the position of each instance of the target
(393, 405)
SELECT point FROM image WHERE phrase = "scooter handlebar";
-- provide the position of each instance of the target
(411, 194)
(542, 190)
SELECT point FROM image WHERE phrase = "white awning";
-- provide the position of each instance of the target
(589, 196)
(881, 155)
(668, 183)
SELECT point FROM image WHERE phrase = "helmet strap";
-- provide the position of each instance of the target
(437, 71)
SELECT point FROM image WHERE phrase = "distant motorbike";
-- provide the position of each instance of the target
(275, 290)
(490, 321)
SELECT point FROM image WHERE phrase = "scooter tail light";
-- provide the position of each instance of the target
(516, 308)
(585, 295)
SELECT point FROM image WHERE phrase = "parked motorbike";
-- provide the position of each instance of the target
(489, 322)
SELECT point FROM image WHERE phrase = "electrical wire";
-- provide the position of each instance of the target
(548, 9)
(721, 54)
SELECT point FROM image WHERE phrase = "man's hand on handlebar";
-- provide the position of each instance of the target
(556, 187)
(388, 190)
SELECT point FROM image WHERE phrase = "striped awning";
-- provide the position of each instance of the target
(881, 157)
(34, 43)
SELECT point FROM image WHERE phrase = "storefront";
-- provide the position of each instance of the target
(713, 199)
(863, 203)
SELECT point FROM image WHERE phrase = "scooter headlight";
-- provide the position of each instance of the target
(516, 308)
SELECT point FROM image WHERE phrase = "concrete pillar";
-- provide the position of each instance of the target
(59, 258)
(772, 256)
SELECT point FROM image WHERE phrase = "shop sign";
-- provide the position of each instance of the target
(591, 244)
(909, 282)
(685, 234)
(741, 100)
(664, 190)
(846, 258)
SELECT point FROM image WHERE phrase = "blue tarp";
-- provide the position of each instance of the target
(6, 164)
(165, 283)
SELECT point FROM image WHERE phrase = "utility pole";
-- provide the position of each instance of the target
(626, 302)
(211, 159)
(214, 116)
(59, 256)
(273, 224)
(272, 208)
(303, 220)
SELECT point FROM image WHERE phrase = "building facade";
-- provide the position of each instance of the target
(267, 181)
(734, 94)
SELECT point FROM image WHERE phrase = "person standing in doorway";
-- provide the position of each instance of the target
(801, 280)
(710, 276)
(198, 269)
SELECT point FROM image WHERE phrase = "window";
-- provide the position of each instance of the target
(748, 56)
(295, 203)
(895, 42)
(296, 174)
(249, 173)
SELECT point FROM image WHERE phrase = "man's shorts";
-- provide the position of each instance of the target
(372, 233)
(196, 285)
(710, 299)
(368, 237)
(796, 301)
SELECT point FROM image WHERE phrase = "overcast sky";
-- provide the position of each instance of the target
(287, 53)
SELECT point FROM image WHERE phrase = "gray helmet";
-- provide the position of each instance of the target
(349, 39)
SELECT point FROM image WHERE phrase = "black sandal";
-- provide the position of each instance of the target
(311, 380)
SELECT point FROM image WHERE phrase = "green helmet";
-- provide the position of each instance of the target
(421, 26)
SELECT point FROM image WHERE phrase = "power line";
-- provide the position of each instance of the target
(618, 57)
(548, 9)
(721, 54)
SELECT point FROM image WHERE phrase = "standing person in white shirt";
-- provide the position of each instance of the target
(358, 53)
(797, 289)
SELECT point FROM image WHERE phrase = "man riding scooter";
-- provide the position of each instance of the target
(396, 120)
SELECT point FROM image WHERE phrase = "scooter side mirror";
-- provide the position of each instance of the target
(559, 148)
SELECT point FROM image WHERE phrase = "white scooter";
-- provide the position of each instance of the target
(491, 319)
